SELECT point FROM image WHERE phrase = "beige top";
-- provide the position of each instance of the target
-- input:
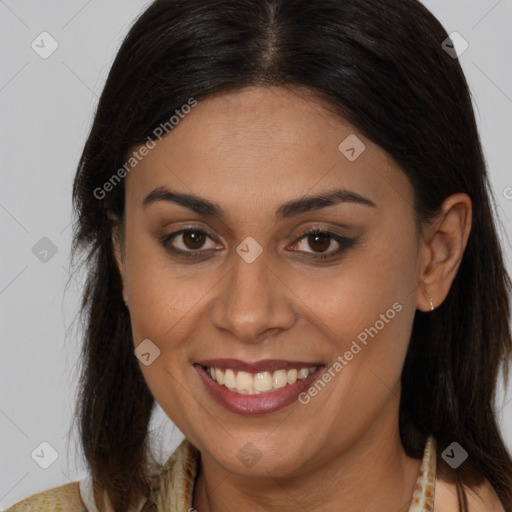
(174, 489)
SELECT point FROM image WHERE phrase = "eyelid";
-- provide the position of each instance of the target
(181, 231)
(343, 241)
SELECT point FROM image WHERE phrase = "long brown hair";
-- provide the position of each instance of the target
(378, 64)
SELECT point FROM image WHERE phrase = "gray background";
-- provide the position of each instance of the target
(47, 107)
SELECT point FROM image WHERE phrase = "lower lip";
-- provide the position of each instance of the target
(258, 403)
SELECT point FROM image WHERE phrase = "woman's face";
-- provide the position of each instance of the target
(250, 287)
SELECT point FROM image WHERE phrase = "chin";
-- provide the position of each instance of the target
(259, 459)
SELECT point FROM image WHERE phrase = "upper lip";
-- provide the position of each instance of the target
(257, 366)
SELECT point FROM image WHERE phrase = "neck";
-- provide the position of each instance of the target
(374, 473)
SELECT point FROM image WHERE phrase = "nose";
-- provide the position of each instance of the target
(254, 302)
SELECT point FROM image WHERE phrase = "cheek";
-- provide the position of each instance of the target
(367, 311)
(350, 298)
(163, 305)
(382, 299)
(161, 293)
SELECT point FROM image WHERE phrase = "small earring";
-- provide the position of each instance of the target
(431, 305)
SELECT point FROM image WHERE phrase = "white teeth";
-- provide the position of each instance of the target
(243, 380)
(291, 376)
(279, 379)
(219, 376)
(261, 382)
(302, 373)
(229, 379)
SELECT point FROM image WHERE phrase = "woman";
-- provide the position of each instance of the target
(291, 249)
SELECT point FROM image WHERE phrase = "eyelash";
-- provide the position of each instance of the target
(345, 243)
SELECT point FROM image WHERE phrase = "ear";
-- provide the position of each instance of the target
(118, 249)
(442, 247)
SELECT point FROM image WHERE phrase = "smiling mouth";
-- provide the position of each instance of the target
(260, 387)
(248, 383)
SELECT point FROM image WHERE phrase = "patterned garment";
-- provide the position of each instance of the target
(174, 488)
(424, 491)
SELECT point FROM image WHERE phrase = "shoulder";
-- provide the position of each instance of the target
(482, 498)
(65, 497)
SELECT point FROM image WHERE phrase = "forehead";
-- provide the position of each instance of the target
(259, 141)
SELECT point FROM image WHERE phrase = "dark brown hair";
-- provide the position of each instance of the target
(378, 64)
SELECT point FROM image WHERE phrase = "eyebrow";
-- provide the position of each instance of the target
(289, 209)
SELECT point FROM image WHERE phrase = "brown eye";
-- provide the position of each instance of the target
(193, 239)
(319, 242)
(191, 244)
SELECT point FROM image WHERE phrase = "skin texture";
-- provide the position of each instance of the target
(482, 498)
(250, 151)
